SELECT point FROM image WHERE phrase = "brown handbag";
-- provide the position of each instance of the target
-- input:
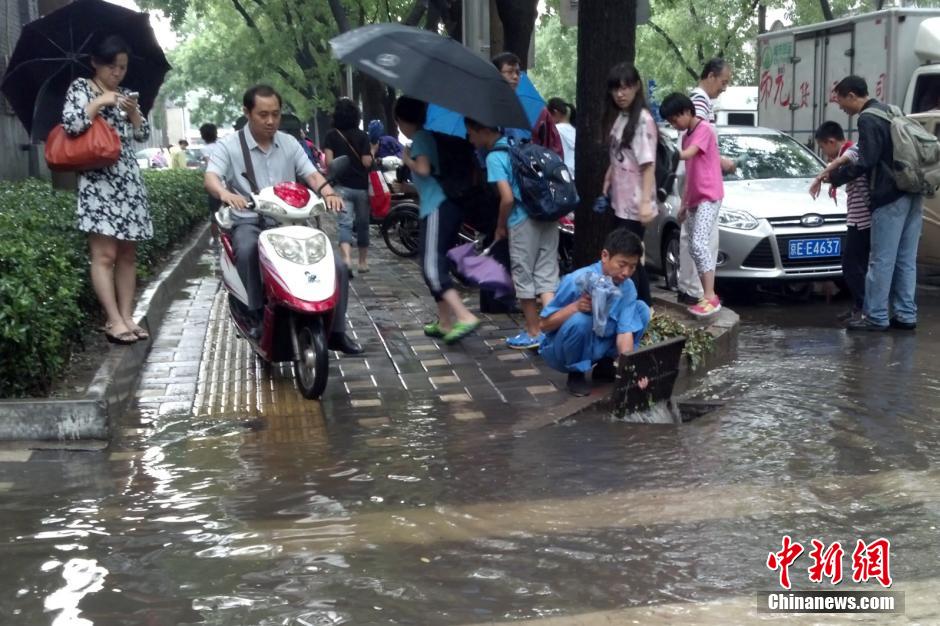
(96, 148)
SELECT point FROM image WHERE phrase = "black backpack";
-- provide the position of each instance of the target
(667, 162)
(457, 163)
(548, 190)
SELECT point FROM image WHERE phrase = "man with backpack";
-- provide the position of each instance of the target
(897, 215)
(535, 189)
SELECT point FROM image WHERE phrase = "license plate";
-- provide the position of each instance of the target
(812, 248)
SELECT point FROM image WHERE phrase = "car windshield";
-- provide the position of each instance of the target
(767, 156)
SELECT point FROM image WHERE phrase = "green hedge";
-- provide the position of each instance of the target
(45, 294)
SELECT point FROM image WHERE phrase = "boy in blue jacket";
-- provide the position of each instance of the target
(571, 344)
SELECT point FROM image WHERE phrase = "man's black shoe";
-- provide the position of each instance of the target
(578, 384)
(342, 343)
(605, 371)
(684, 298)
(864, 324)
(897, 324)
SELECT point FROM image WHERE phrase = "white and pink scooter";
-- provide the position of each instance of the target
(299, 278)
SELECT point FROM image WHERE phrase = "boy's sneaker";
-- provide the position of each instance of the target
(605, 371)
(684, 298)
(578, 385)
(706, 308)
(523, 341)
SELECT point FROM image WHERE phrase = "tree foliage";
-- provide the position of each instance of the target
(556, 58)
(229, 44)
(680, 37)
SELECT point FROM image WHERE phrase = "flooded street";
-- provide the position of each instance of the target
(311, 516)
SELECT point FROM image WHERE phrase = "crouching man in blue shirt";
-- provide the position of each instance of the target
(571, 344)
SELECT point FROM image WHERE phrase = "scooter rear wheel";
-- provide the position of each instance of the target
(312, 368)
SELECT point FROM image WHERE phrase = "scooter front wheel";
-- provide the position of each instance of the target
(312, 367)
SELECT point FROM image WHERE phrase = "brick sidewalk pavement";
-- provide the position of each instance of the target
(199, 367)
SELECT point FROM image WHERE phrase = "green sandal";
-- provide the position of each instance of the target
(460, 330)
(434, 330)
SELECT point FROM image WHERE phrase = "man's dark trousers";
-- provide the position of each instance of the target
(855, 263)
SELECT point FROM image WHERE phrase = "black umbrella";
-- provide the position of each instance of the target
(54, 50)
(432, 68)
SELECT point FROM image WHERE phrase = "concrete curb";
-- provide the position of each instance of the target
(724, 328)
(88, 417)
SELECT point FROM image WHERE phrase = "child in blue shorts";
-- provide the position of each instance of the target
(571, 343)
(533, 244)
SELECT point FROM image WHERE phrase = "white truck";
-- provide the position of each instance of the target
(736, 106)
(897, 51)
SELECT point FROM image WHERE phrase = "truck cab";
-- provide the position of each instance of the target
(928, 254)
(923, 89)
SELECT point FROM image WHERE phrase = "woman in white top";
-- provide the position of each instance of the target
(563, 114)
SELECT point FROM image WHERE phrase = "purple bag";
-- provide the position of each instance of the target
(481, 270)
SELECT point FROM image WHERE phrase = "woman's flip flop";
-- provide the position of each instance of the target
(460, 330)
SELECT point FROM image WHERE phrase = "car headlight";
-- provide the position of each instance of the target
(301, 251)
(739, 220)
(264, 206)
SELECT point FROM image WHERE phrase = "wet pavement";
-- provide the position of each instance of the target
(420, 491)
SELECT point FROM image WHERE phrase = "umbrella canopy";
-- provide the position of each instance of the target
(432, 68)
(481, 269)
(450, 122)
(54, 50)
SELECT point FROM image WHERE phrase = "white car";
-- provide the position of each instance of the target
(146, 158)
(770, 228)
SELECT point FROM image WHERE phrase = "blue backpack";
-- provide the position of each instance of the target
(548, 190)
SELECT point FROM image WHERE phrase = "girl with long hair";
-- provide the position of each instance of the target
(630, 179)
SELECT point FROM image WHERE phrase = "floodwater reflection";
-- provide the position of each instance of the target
(413, 518)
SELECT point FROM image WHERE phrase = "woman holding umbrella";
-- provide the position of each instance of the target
(112, 202)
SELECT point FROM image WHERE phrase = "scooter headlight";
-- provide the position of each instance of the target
(739, 220)
(301, 251)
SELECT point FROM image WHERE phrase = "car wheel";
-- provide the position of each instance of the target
(670, 263)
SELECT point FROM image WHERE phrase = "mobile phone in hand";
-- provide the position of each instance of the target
(134, 95)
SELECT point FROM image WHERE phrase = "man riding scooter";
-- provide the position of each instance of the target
(275, 157)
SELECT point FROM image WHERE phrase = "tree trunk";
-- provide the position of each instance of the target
(761, 29)
(453, 19)
(518, 20)
(372, 93)
(606, 36)
(827, 10)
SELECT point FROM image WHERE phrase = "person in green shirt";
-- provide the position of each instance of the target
(178, 160)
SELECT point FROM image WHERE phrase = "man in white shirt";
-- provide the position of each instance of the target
(275, 157)
(715, 77)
